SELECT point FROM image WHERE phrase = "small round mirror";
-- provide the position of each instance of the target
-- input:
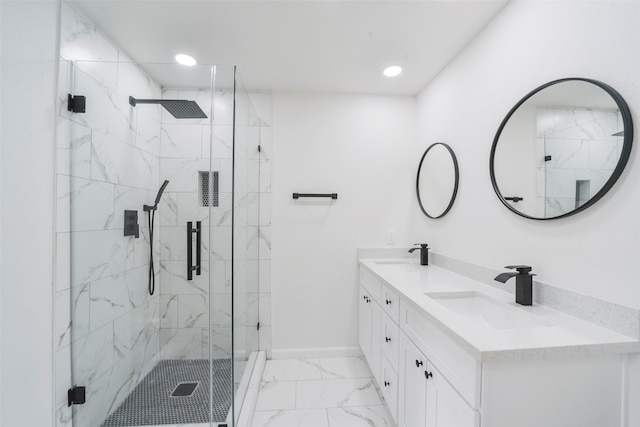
(561, 148)
(437, 180)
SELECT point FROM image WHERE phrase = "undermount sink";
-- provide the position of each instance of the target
(480, 309)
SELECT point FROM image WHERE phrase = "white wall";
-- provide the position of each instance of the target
(28, 73)
(595, 252)
(361, 148)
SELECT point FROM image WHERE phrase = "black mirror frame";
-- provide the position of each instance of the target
(455, 187)
(617, 172)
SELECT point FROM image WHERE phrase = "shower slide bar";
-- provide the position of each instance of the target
(190, 231)
(298, 195)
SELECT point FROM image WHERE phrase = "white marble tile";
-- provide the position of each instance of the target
(181, 141)
(181, 343)
(73, 148)
(62, 375)
(193, 311)
(221, 310)
(147, 129)
(221, 243)
(167, 213)
(93, 355)
(265, 176)
(291, 418)
(64, 416)
(336, 393)
(603, 154)
(223, 108)
(99, 254)
(130, 330)
(120, 163)
(265, 209)
(113, 296)
(567, 153)
(276, 395)
(560, 183)
(169, 311)
(106, 113)
(222, 142)
(62, 321)
(89, 204)
(183, 173)
(130, 198)
(345, 367)
(81, 40)
(265, 275)
(173, 246)
(262, 106)
(292, 370)
(220, 347)
(133, 81)
(173, 276)
(259, 243)
(63, 261)
(360, 416)
(79, 313)
(264, 309)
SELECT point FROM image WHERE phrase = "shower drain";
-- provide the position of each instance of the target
(184, 389)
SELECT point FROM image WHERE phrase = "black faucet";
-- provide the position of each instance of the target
(424, 253)
(524, 283)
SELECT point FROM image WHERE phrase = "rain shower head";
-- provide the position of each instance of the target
(179, 108)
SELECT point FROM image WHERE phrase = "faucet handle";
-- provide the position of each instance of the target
(422, 245)
(522, 269)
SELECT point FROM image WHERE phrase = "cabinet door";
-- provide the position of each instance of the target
(412, 397)
(445, 407)
(389, 386)
(364, 335)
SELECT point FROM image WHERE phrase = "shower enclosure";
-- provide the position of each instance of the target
(163, 331)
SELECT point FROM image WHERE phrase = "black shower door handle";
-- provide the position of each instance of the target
(190, 266)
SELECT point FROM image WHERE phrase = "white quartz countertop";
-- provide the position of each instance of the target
(545, 332)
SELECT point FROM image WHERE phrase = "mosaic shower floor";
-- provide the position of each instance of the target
(151, 402)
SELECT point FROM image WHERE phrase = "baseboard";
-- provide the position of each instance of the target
(315, 353)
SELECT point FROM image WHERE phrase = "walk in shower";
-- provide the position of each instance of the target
(162, 331)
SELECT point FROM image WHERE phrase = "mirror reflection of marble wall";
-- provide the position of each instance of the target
(583, 149)
(561, 148)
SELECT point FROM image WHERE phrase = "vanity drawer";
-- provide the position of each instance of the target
(457, 365)
(390, 303)
(389, 387)
(390, 340)
(371, 283)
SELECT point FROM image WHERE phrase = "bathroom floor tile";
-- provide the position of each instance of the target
(336, 393)
(291, 418)
(276, 395)
(360, 416)
(292, 370)
(345, 367)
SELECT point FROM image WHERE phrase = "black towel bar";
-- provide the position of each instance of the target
(298, 195)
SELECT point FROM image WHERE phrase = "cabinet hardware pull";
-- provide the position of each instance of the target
(387, 383)
(387, 339)
(418, 363)
(428, 374)
(388, 302)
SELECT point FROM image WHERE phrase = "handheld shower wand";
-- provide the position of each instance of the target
(151, 211)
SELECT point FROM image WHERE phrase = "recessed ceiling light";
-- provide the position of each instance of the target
(392, 71)
(187, 60)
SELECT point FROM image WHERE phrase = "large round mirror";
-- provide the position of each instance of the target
(437, 180)
(561, 148)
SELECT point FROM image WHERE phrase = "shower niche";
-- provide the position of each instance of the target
(183, 353)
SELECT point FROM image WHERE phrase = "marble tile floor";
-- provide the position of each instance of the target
(331, 392)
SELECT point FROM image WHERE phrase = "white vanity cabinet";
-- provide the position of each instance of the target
(431, 376)
(425, 398)
(369, 330)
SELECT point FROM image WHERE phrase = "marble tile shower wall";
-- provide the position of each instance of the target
(582, 148)
(186, 147)
(107, 161)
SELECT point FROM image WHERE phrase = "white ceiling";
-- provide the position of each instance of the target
(297, 45)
